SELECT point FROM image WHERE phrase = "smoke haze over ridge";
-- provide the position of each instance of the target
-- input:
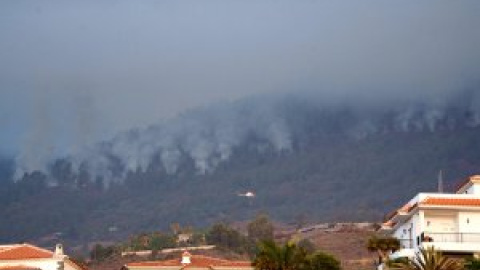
(208, 136)
(74, 74)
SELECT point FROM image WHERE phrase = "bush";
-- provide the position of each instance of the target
(225, 237)
(100, 253)
(322, 261)
(472, 264)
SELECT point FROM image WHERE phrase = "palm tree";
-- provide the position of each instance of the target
(274, 257)
(383, 246)
(429, 259)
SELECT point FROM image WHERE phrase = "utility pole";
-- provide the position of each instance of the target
(440, 181)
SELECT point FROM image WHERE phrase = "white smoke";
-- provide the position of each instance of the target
(432, 117)
(474, 108)
(211, 135)
(38, 148)
(208, 136)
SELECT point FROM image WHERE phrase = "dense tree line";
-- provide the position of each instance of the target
(321, 181)
(226, 237)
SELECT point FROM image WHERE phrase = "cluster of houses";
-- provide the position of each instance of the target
(29, 257)
(448, 222)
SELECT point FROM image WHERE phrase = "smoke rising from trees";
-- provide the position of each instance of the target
(208, 136)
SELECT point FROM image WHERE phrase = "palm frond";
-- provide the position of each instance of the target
(429, 259)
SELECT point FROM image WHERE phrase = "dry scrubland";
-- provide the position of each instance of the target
(348, 246)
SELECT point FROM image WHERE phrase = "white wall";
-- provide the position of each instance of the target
(44, 264)
(441, 222)
(417, 229)
(406, 231)
(473, 189)
(476, 188)
(403, 233)
(469, 222)
(469, 226)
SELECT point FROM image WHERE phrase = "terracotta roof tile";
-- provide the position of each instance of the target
(390, 215)
(407, 208)
(404, 209)
(196, 261)
(451, 201)
(18, 267)
(462, 184)
(389, 223)
(75, 265)
(413, 206)
(23, 251)
(471, 179)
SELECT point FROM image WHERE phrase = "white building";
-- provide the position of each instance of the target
(29, 257)
(449, 222)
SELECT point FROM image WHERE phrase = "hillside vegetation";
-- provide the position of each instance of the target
(335, 181)
(299, 158)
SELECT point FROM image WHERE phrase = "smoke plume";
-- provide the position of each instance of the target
(210, 135)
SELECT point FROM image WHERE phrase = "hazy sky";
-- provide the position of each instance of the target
(75, 71)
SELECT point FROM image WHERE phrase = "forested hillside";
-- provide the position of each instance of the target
(338, 181)
(331, 168)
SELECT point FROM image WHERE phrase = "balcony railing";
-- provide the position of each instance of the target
(451, 237)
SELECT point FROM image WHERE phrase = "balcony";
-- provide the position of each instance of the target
(452, 242)
(452, 237)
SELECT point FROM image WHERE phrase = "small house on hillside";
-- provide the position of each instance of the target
(29, 257)
(197, 262)
(448, 222)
